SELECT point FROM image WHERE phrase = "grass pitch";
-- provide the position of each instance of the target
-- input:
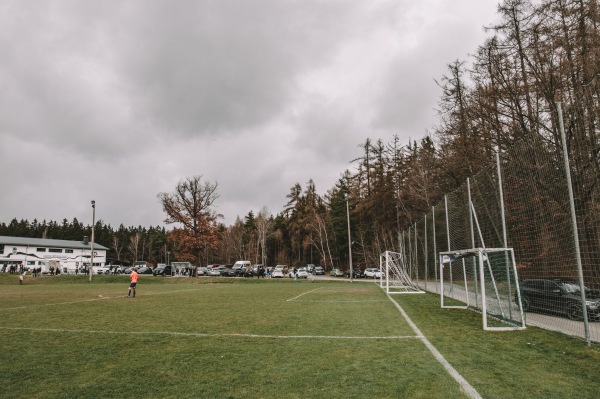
(229, 338)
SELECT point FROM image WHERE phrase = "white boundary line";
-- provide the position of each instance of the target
(304, 293)
(192, 334)
(100, 298)
(464, 384)
(330, 301)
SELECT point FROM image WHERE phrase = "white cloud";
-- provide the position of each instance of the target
(118, 101)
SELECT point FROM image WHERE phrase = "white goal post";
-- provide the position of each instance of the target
(395, 275)
(484, 280)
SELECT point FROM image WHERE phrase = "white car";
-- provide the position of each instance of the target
(101, 269)
(372, 273)
(277, 273)
(302, 273)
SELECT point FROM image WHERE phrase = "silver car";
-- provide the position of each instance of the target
(372, 273)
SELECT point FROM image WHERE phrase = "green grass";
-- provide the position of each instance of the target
(63, 337)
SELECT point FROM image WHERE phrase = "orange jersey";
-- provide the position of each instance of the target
(134, 276)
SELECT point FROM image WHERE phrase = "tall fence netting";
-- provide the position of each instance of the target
(528, 186)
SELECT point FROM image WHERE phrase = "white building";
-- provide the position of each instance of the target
(44, 253)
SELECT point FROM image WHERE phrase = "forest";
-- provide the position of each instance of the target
(539, 53)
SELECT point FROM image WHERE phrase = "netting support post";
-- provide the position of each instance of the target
(416, 272)
(425, 253)
(435, 259)
(503, 220)
(471, 207)
(586, 324)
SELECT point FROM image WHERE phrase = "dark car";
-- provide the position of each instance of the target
(163, 270)
(356, 273)
(247, 272)
(144, 270)
(228, 272)
(560, 296)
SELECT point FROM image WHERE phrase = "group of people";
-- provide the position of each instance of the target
(13, 268)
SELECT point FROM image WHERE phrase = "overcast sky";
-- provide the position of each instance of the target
(117, 101)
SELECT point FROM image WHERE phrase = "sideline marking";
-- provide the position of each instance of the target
(464, 384)
(192, 334)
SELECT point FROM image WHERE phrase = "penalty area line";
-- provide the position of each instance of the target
(193, 334)
(304, 293)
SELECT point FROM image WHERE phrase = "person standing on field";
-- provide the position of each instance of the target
(133, 278)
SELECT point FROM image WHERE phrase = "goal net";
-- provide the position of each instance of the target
(484, 280)
(395, 276)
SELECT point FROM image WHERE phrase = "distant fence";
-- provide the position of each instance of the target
(520, 201)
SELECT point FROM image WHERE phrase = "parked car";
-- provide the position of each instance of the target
(228, 272)
(372, 273)
(302, 273)
(283, 268)
(215, 271)
(256, 267)
(310, 268)
(277, 273)
(97, 269)
(336, 273)
(202, 271)
(161, 271)
(144, 270)
(247, 272)
(560, 296)
(318, 271)
(356, 273)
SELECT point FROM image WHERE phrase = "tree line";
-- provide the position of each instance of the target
(535, 55)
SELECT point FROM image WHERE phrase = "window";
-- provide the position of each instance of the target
(55, 250)
(68, 251)
(41, 250)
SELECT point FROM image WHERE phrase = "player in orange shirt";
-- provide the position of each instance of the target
(133, 278)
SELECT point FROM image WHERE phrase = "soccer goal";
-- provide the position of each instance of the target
(484, 280)
(395, 275)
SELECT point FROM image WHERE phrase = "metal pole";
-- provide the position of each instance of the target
(349, 238)
(504, 233)
(435, 257)
(574, 220)
(471, 207)
(425, 254)
(447, 222)
(416, 255)
(448, 237)
(92, 244)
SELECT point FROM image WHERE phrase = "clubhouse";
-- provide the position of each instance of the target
(43, 253)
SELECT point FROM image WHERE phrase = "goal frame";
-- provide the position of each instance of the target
(404, 284)
(448, 257)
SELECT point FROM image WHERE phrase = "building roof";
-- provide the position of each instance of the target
(45, 242)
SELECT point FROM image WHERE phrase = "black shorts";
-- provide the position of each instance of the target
(132, 285)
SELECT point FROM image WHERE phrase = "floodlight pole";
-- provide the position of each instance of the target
(92, 243)
(349, 238)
